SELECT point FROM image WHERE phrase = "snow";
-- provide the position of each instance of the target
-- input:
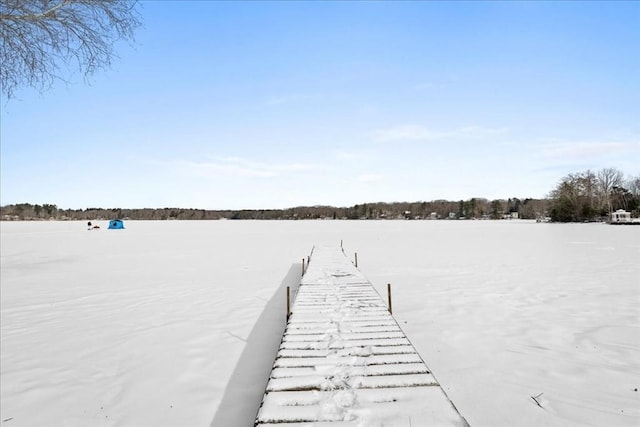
(179, 323)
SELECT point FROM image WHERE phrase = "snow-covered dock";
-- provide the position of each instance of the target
(344, 361)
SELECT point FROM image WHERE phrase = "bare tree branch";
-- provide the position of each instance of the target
(633, 184)
(608, 178)
(39, 36)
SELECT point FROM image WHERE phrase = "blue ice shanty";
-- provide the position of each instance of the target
(116, 224)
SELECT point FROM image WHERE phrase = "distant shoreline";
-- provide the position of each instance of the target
(475, 208)
(541, 210)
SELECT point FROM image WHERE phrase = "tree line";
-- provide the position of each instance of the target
(475, 208)
(578, 197)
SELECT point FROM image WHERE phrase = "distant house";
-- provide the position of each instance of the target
(620, 216)
(116, 224)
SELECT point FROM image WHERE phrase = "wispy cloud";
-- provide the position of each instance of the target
(243, 167)
(353, 155)
(563, 149)
(370, 177)
(422, 133)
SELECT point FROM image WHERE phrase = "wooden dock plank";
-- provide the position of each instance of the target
(344, 361)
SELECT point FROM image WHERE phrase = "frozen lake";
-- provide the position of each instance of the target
(177, 323)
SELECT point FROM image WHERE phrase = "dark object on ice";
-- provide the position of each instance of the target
(116, 224)
(89, 224)
(535, 399)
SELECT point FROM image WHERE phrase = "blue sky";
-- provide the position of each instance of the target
(272, 105)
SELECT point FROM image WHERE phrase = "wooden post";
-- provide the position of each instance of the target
(288, 303)
(303, 266)
(356, 259)
(389, 297)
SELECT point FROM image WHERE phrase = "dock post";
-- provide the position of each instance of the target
(356, 256)
(288, 303)
(389, 297)
(303, 266)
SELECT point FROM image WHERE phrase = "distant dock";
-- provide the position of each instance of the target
(344, 361)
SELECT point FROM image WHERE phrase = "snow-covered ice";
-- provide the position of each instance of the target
(179, 323)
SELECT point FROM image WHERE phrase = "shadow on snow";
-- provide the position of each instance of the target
(243, 394)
